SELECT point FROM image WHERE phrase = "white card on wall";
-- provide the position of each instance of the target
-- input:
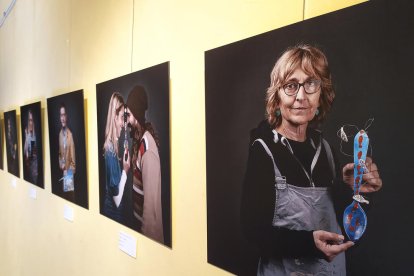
(68, 213)
(128, 244)
(32, 193)
(14, 182)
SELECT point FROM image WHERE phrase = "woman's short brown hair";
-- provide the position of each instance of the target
(315, 64)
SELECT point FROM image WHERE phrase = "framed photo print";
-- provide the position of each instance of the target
(67, 147)
(134, 151)
(32, 143)
(1, 144)
(12, 151)
(271, 100)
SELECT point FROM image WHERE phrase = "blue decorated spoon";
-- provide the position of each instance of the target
(355, 219)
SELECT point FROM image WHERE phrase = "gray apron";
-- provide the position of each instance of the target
(303, 208)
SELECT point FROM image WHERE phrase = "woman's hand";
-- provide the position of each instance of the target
(371, 180)
(330, 244)
(126, 163)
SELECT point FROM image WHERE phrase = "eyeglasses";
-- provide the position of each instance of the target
(311, 86)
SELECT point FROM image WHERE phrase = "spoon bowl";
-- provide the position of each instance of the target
(355, 221)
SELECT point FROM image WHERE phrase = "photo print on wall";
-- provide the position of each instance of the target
(67, 147)
(32, 143)
(12, 151)
(369, 51)
(1, 144)
(134, 151)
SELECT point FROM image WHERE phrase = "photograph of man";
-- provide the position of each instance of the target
(66, 155)
(32, 143)
(67, 147)
(11, 143)
(146, 168)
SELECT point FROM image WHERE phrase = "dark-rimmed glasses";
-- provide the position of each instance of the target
(311, 86)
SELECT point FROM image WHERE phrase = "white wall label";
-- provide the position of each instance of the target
(32, 193)
(14, 182)
(68, 212)
(128, 244)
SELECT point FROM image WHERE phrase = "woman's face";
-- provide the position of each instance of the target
(298, 109)
(119, 122)
(132, 120)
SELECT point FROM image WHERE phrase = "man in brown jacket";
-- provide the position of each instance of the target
(66, 156)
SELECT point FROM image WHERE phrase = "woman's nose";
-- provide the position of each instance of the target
(301, 93)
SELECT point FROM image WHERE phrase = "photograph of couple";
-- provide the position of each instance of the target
(133, 141)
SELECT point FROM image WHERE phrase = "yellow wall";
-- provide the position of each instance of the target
(48, 47)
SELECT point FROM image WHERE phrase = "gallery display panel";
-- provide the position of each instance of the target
(368, 47)
(12, 150)
(134, 151)
(1, 144)
(67, 147)
(32, 143)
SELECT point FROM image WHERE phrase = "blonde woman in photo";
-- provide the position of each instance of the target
(115, 176)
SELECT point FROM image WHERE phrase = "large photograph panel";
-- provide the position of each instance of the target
(368, 48)
(67, 147)
(32, 144)
(135, 183)
(12, 151)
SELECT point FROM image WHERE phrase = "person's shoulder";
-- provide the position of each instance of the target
(109, 148)
(262, 131)
(148, 141)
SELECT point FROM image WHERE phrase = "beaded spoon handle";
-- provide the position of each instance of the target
(355, 219)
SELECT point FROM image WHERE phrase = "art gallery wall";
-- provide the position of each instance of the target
(52, 47)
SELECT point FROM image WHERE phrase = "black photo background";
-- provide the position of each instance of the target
(33, 158)
(370, 52)
(76, 123)
(12, 147)
(155, 80)
(1, 144)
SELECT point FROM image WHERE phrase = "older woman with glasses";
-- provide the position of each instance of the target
(287, 206)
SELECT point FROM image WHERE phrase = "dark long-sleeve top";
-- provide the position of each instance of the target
(258, 198)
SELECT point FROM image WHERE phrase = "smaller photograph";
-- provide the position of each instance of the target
(32, 148)
(1, 144)
(134, 151)
(67, 147)
(10, 129)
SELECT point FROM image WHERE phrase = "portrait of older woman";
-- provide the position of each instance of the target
(291, 113)
(287, 207)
